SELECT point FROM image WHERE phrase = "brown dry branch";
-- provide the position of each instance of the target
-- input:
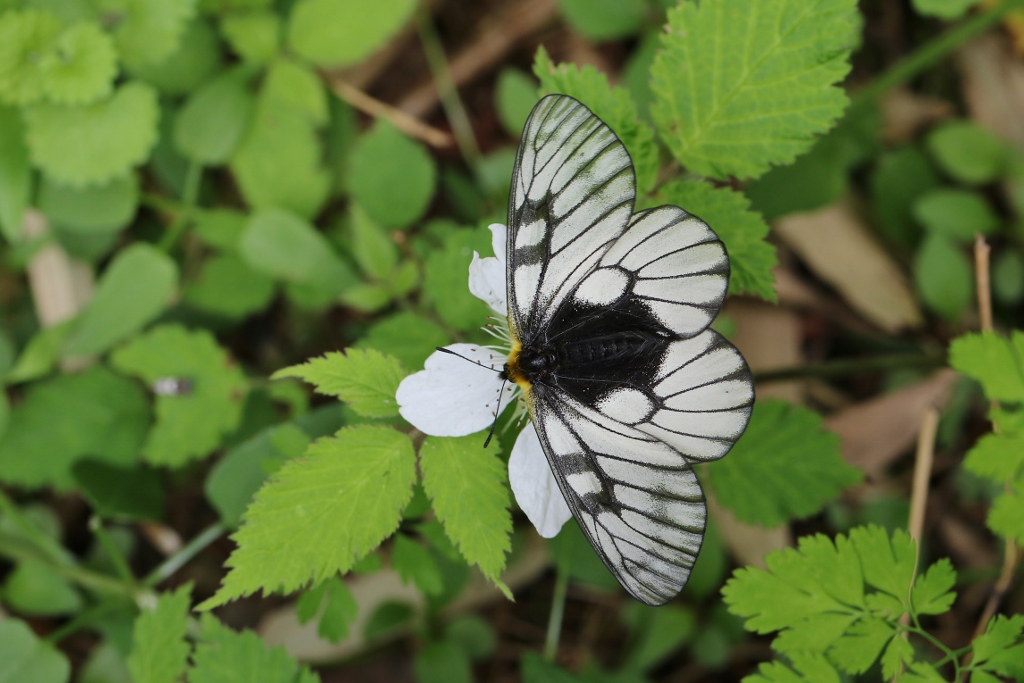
(408, 124)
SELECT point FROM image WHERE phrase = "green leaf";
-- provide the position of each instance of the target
(15, 173)
(898, 655)
(996, 362)
(211, 124)
(728, 213)
(999, 457)
(102, 209)
(888, 563)
(24, 37)
(514, 97)
(94, 414)
(467, 487)
(943, 277)
(196, 59)
(285, 246)
(187, 426)
(899, 179)
(535, 669)
(442, 662)
(299, 529)
(785, 466)
(473, 634)
(81, 66)
(943, 9)
(226, 656)
(372, 248)
(26, 659)
(408, 337)
(149, 31)
(757, 106)
(932, 590)
(808, 668)
(967, 152)
(956, 214)
(89, 145)
(227, 286)
(446, 280)
(656, 633)
(41, 353)
(1006, 517)
(368, 297)
(614, 106)
(160, 652)
(1008, 277)
(220, 228)
(36, 589)
(366, 380)
(134, 289)
(279, 162)
(131, 493)
(338, 33)
(416, 565)
(296, 85)
(861, 645)
(334, 603)
(391, 176)
(992, 647)
(254, 36)
(600, 20)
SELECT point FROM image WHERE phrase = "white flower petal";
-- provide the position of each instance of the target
(534, 486)
(452, 396)
(487, 282)
(499, 235)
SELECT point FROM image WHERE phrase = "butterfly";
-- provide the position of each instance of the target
(609, 310)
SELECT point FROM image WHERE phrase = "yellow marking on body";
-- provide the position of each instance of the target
(512, 367)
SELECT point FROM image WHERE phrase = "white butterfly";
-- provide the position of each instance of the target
(609, 313)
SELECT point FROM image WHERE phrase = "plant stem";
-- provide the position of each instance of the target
(113, 552)
(852, 366)
(557, 611)
(53, 551)
(934, 51)
(185, 555)
(17, 551)
(80, 621)
(189, 197)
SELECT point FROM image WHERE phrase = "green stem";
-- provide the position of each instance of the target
(554, 632)
(189, 197)
(934, 51)
(113, 552)
(185, 555)
(17, 551)
(852, 366)
(53, 551)
(81, 620)
(916, 629)
(447, 91)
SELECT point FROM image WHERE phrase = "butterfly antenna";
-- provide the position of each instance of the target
(497, 412)
(459, 355)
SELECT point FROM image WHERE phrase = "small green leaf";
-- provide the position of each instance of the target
(808, 668)
(967, 152)
(943, 9)
(898, 655)
(149, 31)
(160, 652)
(89, 145)
(996, 362)
(1008, 277)
(26, 659)
(999, 457)
(135, 288)
(366, 380)
(99, 209)
(299, 529)
(25, 36)
(81, 67)
(888, 563)
(416, 565)
(992, 647)
(211, 124)
(514, 95)
(191, 425)
(372, 248)
(15, 174)
(334, 603)
(656, 633)
(473, 634)
(943, 277)
(600, 20)
(743, 232)
(861, 645)
(467, 487)
(901, 177)
(785, 466)
(956, 214)
(446, 277)
(41, 353)
(932, 590)
(226, 656)
(367, 297)
(1006, 517)
(408, 337)
(379, 160)
(442, 662)
(131, 493)
(221, 228)
(535, 669)
(296, 85)
(254, 36)
(227, 286)
(760, 105)
(338, 33)
(197, 57)
(36, 589)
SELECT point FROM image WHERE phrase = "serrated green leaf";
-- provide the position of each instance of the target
(991, 648)
(227, 286)
(943, 9)
(808, 668)
(279, 163)
(89, 145)
(379, 159)
(757, 106)
(81, 66)
(999, 457)
(127, 493)
(149, 31)
(225, 656)
(932, 590)
(366, 380)
(992, 360)
(612, 105)
(373, 249)
(190, 425)
(1006, 517)
(967, 152)
(338, 33)
(786, 466)
(24, 658)
(15, 174)
(197, 57)
(285, 246)
(24, 36)
(295, 85)
(37, 589)
(408, 337)
(135, 288)
(956, 214)
(94, 414)
(888, 564)
(100, 209)
(299, 529)
(334, 603)
(728, 213)
(860, 647)
(210, 126)
(160, 652)
(943, 276)
(467, 487)
(514, 97)
(605, 19)
(898, 654)
(416, 565)
(445, 278)
(254, 36)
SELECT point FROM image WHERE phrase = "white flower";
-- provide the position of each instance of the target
(453, 397)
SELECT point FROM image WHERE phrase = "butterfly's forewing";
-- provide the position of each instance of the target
(622, 441)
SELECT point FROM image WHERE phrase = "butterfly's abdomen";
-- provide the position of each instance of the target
(612, 348)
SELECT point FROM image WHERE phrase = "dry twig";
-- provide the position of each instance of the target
(401, 120)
